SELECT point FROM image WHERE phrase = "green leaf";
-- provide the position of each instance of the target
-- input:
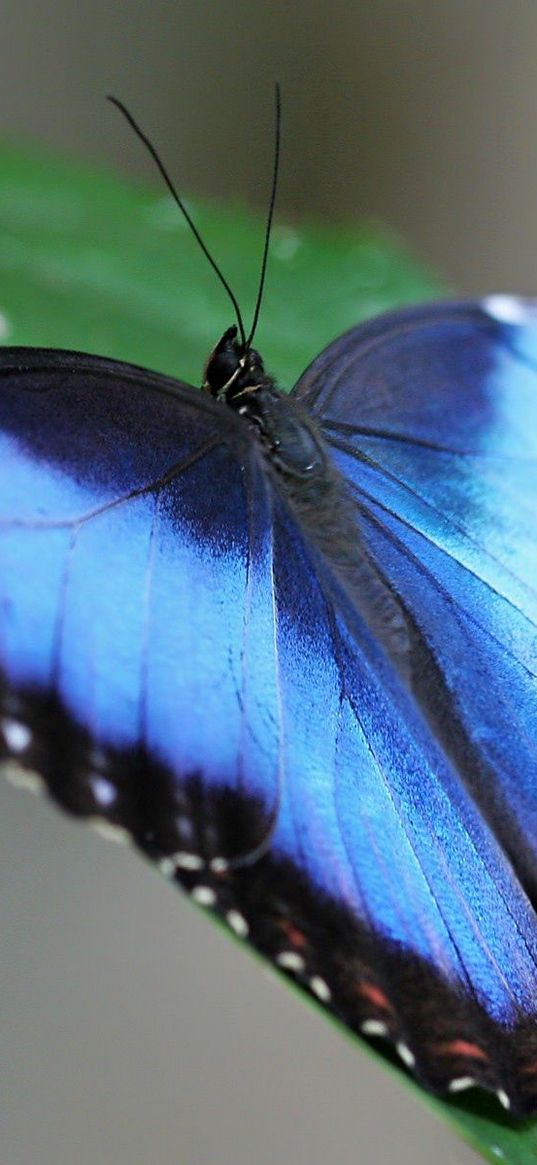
(93, 263)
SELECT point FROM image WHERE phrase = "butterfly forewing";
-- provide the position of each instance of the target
(135, 583)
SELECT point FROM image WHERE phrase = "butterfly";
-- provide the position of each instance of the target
(287, 645)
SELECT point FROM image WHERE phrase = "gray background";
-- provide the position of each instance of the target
(133, 1031)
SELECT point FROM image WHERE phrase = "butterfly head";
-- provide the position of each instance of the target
(233, 369)
(235, 375)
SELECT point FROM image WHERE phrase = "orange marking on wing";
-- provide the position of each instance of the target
(529, 1069)
(296, 937)
(374, 995)
(462, 1048)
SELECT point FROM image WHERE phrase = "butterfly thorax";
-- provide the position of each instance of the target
(235, 375)
(310, 483)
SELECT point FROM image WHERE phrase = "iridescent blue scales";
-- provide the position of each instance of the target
(311, 697)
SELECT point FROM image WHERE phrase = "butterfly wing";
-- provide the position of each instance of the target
(431, 416)
(134, 588)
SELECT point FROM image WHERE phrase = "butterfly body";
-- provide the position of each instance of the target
(288, 646)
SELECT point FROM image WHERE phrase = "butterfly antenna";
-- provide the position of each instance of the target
(161, 167)
(277, 137)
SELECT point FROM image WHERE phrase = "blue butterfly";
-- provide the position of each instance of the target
(288, 645)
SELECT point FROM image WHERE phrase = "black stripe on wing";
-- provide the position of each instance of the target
(306, 934)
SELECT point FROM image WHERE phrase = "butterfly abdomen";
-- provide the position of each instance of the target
(304, 473)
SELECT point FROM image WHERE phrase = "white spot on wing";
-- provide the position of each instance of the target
(186, 861)
(461, 1083)
(203, 895)
(509, 309)
(219, 865)
(290, 961)
(320, 988)
(16, 735)
(103, 791)
(406, 1055)
(238, 923)
(374, 1027)
(503, 1098)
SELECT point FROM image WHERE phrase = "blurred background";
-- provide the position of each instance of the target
(421, 114)
(133, 1031)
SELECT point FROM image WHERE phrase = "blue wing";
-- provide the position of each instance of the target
(136, 597)
(185, 656)
(431, 416)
